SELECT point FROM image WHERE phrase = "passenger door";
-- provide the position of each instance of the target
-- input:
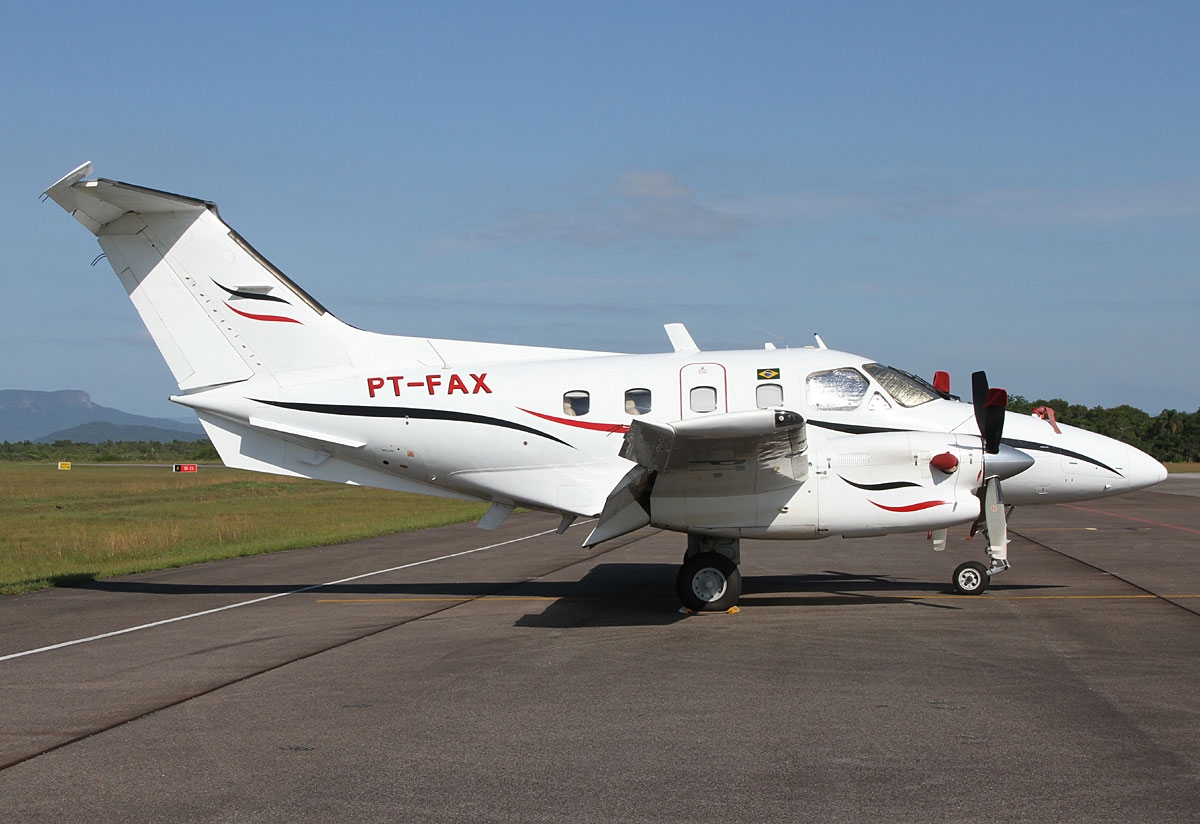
(702, 390)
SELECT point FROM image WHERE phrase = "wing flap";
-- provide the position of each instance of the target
(770, 440)
(738, 455)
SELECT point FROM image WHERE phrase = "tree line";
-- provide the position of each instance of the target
(171, 452)
(1170, 436)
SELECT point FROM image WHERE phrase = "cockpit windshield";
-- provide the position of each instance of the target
(908, 390)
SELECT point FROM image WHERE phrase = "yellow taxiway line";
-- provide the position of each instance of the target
(750, 598)
(422, 598)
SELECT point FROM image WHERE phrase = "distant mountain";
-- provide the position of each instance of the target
(99, 432)
(27, 415)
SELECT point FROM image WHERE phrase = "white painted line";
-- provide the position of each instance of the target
(178, 618)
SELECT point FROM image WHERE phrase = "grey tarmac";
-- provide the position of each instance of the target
(455, 674)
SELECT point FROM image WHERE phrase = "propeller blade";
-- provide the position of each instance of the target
(989, 411)
(979, 393)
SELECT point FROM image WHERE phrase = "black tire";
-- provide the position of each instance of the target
(709, 582)
(970, 578)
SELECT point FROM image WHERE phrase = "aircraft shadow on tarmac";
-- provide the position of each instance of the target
(615, 594)
(644, 594)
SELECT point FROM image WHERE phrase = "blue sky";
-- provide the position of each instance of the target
(954, 186)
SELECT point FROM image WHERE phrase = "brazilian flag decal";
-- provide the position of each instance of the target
(768, 374)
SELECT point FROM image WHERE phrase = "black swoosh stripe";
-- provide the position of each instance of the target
(1057, 450)
(409, 412)
(237, 293)
(854, 429)
(882, 486)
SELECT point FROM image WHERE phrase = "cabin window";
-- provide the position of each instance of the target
(768, 395)
(703, 398)
(836, 389)
(908, 390)
(637, 401)
(576, 403)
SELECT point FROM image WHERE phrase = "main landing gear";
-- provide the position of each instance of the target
(709, 580)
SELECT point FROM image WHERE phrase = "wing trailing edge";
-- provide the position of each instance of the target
(737, 454)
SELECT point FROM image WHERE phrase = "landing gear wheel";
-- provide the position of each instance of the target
(709, 582)
(971, 578)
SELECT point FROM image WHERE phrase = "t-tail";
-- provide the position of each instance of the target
(218, 310)
(234, 330)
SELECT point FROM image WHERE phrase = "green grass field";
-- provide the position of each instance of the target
(98, 521)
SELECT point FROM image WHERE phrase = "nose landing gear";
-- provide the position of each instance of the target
(972, 577)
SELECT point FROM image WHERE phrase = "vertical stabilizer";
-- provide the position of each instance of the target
(218, 310)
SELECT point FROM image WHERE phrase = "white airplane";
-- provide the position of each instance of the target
(768, 443)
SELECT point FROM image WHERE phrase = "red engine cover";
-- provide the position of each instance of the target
(946, 462)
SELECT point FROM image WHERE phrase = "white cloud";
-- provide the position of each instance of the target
(650, 184)
(1049, 206)
(636, 206)
(649, 205)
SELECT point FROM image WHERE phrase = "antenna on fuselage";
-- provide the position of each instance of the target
(820, 343)
(772, 334)
(681, 339)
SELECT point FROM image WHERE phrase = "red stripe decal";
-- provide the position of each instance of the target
(597, 427)
(277, 318)
(912, 507)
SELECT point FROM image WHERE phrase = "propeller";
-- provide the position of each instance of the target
(999, 461)
(989, 411)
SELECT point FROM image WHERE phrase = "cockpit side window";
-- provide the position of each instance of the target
(878, 403)
(836, 389)
(908, 390)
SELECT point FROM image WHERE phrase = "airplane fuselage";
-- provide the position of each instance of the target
(544, 433)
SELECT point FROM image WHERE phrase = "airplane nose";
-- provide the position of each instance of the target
(1143, 470)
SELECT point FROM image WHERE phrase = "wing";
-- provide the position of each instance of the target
(734, 454)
